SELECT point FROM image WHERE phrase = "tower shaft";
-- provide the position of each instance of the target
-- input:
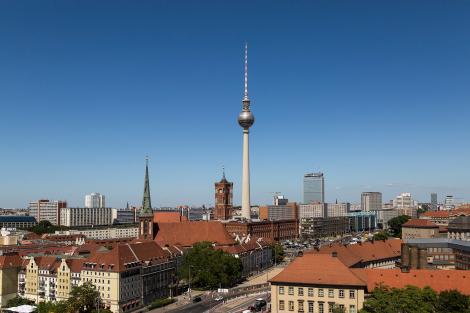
(246, 210)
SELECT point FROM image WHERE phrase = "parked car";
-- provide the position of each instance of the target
(219, 298)
(197, 299)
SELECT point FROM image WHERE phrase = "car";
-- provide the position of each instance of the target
(219, 298)
(197, 299)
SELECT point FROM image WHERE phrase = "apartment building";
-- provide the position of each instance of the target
(9, 268)
(104, 233)
(45, 210)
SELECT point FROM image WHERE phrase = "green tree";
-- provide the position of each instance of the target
(396, 223)
(210, 268)
(45, 227)
(338, 309)
(452, 301)
(83, 299)
(278, 253)
(17, 301)
(383, 235)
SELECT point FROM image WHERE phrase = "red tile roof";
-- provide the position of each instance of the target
(168, 217)
(186, 234)
(318, 269)
(420, 223)
(367, 251)
(9, 261)
(435, 214)
(439, 280)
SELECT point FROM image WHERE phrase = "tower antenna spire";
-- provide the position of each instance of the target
(246, 72)
(223, 172)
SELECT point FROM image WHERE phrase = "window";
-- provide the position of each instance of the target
(300, 291)
(320, 292)
(352, 308)
(331, 293)
(320, 307)
(341, 307)
(310, 292)
(352, 294)
(310, 307)
(291, 305)
(291, 291)
(281, 290)
(330, 307)
(281, 305)
(341, 293)
(300, 304)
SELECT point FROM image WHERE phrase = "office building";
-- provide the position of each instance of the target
(278, 212)
(45, 210)
(103, 233)
(312, 210)
(123, 216)
(419, 228)
(86, 217)
(337, 209)
(320, 227)
(94, 200)
(434, 201)
(362, 221)
(314, 188)
(371, 201)
(17, 221)
(223, 199)
(280, 200)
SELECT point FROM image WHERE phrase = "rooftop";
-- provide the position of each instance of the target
(419, 223)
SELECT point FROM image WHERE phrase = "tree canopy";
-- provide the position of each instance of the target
(415, 300)
(383, 235)
(45, 227)
(210, 268)
(278, 253)
(396, 223)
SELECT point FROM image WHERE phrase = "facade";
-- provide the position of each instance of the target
(362, 221)
(95, 200)
(301, 287)
(436, 253)
(17, 221)
(314, 188)
(86, 217)
(9, 268)
(434, 201)
(274, 230)
(419, 228)
(440, 218)
(123, 216)
(223, 199)
(278, 212)
(320, 227)
(104, 233)
(449, 203)
(337, 209)
(459, 228)
(371, 201)
(45, 210)
(246, 119)
(312, 210)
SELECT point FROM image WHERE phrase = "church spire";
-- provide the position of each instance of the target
(146, 203)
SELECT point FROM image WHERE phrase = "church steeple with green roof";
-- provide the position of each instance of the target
(146, 202)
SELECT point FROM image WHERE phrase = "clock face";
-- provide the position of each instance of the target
(220, 190)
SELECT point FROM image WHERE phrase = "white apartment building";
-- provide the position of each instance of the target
(104, 232)
(338, 209)
(404, 200)
(80, 217)
(94, 200)
(371, 201)
(45, 210)
(312, 210)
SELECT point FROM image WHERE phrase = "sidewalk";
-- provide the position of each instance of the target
(261, 278)
(181, 300)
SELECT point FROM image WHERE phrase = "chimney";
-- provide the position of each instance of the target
(334, 254)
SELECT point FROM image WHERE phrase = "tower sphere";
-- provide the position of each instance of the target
(246, 119)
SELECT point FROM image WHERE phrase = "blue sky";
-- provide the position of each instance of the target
(373, 93)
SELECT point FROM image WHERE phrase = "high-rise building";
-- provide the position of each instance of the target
(223, 199)
(94, 200)
(246, 119)
(45, 210)
(371, 201)
(404, 200)
(449, 202)
(337, 209)
(314, 188)
(81, 217)
(434, 201)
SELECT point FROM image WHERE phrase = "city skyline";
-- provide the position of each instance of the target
(81, 112)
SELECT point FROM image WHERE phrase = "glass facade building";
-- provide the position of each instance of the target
(314, 188)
